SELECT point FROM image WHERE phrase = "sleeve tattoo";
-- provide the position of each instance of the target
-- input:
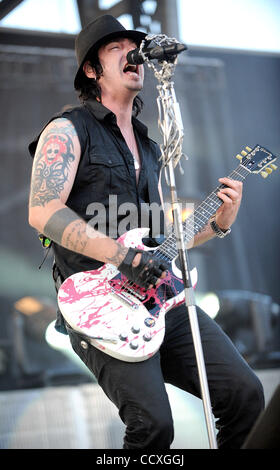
(51, 165)
(51, 170)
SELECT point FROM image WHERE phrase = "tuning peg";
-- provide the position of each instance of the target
(243, 153)
(238, 156)
(264, 174)
(248, 149)
(273, 167)
(268, 170)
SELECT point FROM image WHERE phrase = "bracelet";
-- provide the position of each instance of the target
(218, 231)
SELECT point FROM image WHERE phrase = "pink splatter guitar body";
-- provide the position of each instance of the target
(118, 317)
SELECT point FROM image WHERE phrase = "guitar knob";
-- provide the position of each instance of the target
(133, 344)
(123, 336)
(135, 329)
(147, 337)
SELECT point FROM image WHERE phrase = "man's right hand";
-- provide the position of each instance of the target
(142, 268)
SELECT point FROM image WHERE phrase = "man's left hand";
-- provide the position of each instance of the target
(231, 197)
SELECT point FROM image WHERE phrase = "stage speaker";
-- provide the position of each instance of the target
(266, 432)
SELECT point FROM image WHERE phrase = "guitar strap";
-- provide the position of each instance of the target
(60, 324)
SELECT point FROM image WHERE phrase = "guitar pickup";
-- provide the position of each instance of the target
(135, 292)
(122, 295)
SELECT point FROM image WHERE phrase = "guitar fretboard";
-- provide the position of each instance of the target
(199, 219)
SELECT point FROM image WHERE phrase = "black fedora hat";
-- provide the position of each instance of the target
(101, 30)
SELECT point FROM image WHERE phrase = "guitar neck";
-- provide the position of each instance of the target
(258, 160)
(201, 215)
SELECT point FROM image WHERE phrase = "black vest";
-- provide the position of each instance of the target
(106, 177)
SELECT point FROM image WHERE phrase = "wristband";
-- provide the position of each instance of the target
(218, 231)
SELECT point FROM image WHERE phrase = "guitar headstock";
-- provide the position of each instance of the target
(257, 160)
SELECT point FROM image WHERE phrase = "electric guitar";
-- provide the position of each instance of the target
(122, 319)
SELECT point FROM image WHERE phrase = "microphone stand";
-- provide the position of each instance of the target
(171, 127)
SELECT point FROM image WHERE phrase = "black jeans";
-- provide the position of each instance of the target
(138, 390)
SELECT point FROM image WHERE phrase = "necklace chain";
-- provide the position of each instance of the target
(132, 148)
(136, 163)
(133, 151)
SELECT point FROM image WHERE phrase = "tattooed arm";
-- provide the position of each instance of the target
(53, 173)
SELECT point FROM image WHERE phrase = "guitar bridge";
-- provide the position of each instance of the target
(121, 288)
(131, 290)
(122, 295)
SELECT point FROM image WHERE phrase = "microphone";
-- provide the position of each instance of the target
(159, 52)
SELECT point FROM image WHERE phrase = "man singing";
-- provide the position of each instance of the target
(86, 154)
